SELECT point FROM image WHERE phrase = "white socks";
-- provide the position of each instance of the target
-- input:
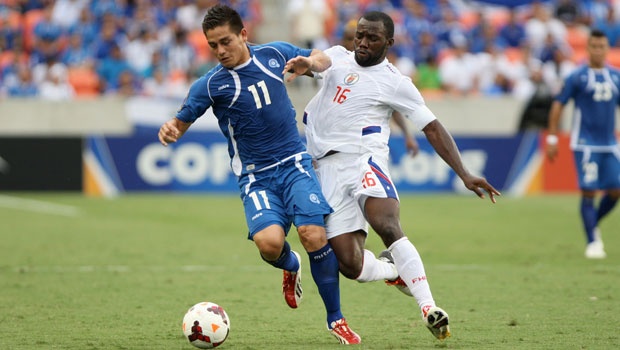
(374, 269)
(411, 270)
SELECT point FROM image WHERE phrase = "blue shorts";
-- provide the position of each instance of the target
(283, 195)
(597, 170)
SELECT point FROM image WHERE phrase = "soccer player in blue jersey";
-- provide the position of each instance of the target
(594, 89)
(277, 182)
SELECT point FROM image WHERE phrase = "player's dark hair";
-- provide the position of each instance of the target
(220, 15)
(597, 33)
(388, 23)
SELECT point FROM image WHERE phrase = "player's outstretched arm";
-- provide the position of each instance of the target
(318, 61)
(172, 130)
(444, 145)
(555, 114)
(410, 143)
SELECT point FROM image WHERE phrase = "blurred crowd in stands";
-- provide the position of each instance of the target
(66, 49)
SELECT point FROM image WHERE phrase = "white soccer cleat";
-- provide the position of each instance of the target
(595, 250)
(386, 256)
(291, 285)
(437, 321)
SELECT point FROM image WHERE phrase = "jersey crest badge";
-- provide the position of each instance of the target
(314, 198)
(273, 63)
(351, 78)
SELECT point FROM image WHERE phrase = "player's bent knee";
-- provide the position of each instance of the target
(350, 270)
(312, 237)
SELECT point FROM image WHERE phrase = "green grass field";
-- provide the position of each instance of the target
(86, 273)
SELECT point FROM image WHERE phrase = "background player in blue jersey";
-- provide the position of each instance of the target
(277, 182)
(595, 91)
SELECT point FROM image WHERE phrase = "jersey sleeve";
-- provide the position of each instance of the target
(334, 53)
(196, 102)
(289, 50)
(409, 102)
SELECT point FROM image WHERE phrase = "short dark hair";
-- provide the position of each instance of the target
(220, 15)
(388, 23)
(597, 33)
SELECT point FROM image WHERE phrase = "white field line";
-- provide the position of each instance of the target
(37, 206)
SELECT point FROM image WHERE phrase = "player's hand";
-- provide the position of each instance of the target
(168, 133)
(297, 66)
(479, 185)
(412, 146)
(551, 151)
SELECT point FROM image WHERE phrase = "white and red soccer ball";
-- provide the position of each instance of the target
(206, 325)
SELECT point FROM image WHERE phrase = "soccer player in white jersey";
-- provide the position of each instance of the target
(594, 88)
(277, 182)
(347, 133)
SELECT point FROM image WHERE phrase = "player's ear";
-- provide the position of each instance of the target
(390, 42)
(244, 34)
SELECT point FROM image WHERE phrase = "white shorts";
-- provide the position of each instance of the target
(347, 180)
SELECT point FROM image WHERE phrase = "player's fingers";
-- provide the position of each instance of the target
(292, 77)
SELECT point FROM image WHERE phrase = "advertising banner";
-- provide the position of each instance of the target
(199, 162)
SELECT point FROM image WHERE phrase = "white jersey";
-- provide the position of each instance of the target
(351, 111)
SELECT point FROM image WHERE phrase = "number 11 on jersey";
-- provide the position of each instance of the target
(263, 87)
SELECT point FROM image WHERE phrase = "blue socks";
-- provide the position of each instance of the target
(591, 215)
(605, 206)
(286, 261)
(588, 216)
(324, 268)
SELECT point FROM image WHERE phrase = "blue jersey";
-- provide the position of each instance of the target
(596, 97)
(252, 107)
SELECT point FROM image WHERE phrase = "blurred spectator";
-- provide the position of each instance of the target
(449, 31)
(308, 19)
(426, 50)
(67, 12)
(40, 70)
(426, 76)
(596, 10)
(190, 16)
(555, 70)
(487, 37)
(56, 87)
(179, 53)
(109, 37)
(161, 86)
(348, 35)
(493, 75)
(567, 11)
(24, 86)
(458, 72)
(10, 30)
(126, 86)
(416, 20)
(111, 67)
(76, 53)
(344, 12)
(380, 5)
(535, 114)
(611, 27)
(113, 8)
(47, 36)
(86, 28)
(139, 51)
(541, 25)
(513, 32)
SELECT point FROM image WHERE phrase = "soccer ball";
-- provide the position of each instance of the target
(206, 325)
